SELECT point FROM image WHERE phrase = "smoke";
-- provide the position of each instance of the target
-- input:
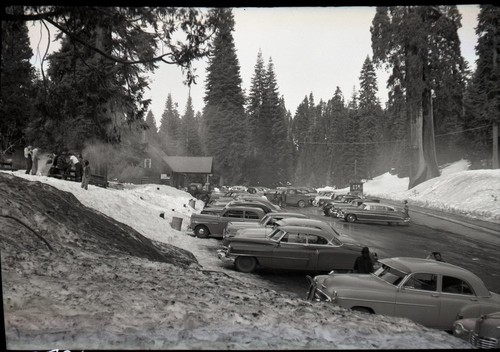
(116, 162)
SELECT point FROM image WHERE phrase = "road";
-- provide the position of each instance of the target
(472, 245)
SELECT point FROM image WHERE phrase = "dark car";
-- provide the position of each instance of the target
(333, 209)
(213, 225)
(292, 248)
(374, 212)
(339, 198)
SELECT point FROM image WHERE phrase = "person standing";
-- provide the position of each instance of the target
(27, 156)
(363, 263)
(78, 167)
(406, 209)
(35, 158)
(86, 174)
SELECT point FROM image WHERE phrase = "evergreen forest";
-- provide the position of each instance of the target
(91, 97)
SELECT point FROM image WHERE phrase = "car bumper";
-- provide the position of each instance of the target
(222, 255)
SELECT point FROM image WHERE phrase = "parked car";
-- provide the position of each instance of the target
(333, 209)
(482, 332)
(432, 293)
(374, 212)
(267, 222)
(297, 197)
(222, 196)
(322, 195)
(213, 225)
(266, 206)
(338, 198)
(293, 248)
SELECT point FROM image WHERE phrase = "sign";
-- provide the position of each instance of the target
(356, 187)
(164, 177)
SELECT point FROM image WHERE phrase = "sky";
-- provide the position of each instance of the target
(314, 49)
(89, 301)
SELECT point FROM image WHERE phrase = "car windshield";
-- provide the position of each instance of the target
(390, 275)
(264, 220)
(276, 235)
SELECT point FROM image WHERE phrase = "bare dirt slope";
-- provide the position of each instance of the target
(37, 216)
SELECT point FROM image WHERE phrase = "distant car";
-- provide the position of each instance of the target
(291, 248)
(339, 198)
(297, 197)
(266, 206)
(222, 196)
(429, 292)
(322, 195)
(374, 212)
(267, 222)
(334, 209)
(482, 332)
(213, 225)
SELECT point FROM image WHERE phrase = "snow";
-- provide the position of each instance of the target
(131, 303)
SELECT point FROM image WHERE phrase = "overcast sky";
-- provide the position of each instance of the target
(314, 49)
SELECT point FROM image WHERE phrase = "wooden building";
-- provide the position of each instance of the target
(175, 171)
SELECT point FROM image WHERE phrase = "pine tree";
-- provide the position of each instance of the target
(190, 144)
(151, 131)
(224, 115)
(370, 119)
(170, 127)
(483, 101)
(17, 76)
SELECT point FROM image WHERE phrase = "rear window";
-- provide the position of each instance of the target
(455, 285)
(251, 215)
(233, 214)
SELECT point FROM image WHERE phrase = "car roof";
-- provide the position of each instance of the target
(309, 230)
(379, 204)
(411, 265)
(288, 215)
(292, 221)
(241, 207)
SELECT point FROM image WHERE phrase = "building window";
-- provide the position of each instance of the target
(147, 163)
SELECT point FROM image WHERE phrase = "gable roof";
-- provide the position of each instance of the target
(190, 164)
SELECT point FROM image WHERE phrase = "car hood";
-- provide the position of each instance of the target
(355, 282)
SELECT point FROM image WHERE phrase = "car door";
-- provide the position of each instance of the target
(291, 252)
(231, 215)
(330, 256)
(291, 196)
(455, 294)
(418, 299)
(365, 213)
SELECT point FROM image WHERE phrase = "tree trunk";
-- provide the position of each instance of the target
(423, 163)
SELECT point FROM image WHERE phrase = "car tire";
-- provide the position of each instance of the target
(362, 309)
(351, 218)
(201, 231)
(301, 203)
(245, 264)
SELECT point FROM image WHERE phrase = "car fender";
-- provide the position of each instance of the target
(379, 302)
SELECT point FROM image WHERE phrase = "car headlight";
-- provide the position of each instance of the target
(459, 329)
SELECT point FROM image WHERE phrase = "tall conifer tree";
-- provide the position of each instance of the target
(224, 115)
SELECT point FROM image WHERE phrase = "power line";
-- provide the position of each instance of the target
(393, 141)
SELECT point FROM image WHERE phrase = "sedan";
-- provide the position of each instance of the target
(374, 212)
(482, 332)
(429, 292)
(292, 248)
(267, 222)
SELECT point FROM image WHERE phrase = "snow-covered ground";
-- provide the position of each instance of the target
(472, 193)
(237, 317)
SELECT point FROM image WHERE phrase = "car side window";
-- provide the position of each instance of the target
(251, 215)
(455, 285)
(233, 214)
(422, 281)
(314, 239)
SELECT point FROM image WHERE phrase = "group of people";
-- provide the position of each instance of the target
(32, 157)
(62, 165)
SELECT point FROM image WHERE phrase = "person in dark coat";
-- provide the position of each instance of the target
(407, 209)
(28, 157)
(363, 263)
